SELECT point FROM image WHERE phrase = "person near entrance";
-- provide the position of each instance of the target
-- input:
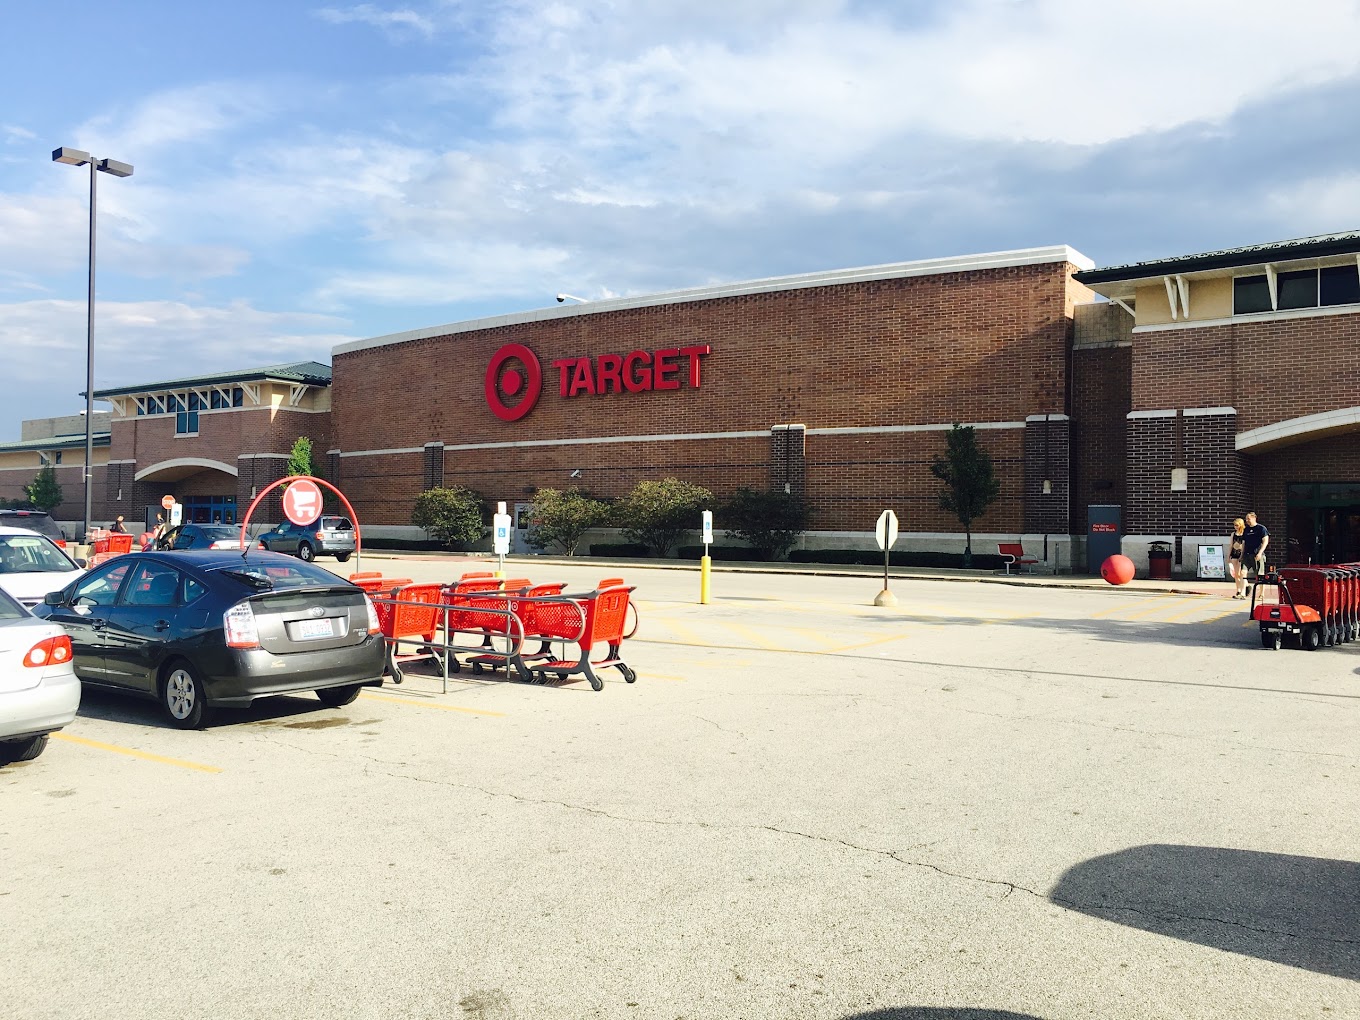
(1236, 546)
(1255, 539)
(119, 527)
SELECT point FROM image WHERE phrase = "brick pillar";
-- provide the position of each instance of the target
(1046, 460)
(788, 463)
(333, 468)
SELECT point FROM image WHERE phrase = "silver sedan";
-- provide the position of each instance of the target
(39, 692)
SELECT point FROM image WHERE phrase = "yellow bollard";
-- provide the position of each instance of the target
(704, 562)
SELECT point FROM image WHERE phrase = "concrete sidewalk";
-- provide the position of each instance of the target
(1179, 586)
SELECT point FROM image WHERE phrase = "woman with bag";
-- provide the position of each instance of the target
(1236, 546)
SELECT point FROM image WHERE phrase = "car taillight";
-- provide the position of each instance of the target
(374, 627)
(229, 544)
(260, 545)
(50, 652)
(238, 623)
(320, 535)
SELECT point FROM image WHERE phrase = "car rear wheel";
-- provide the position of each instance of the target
(22, 750)
(342, 557)
(305, 552)
(182, 696)
(336, 697)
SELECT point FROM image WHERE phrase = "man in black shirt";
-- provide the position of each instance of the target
(1254, 542)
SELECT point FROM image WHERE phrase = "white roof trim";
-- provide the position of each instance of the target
(1208, 412)
(830, 278)
(1249, 317)
(1326, 421)
(1151, 414)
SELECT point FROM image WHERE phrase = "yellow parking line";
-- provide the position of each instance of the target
(866, 644)
(1159, 607)
(687, 636)
(1187, 612)
(71, 738)
(1159, 599)
(1220, 616)
(750, 635)
(432, 704)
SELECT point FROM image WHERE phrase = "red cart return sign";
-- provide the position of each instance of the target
(302, 502)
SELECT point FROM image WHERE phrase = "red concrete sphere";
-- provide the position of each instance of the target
(1117, 569)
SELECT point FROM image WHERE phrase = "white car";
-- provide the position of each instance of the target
(39, 692)
(31, 565)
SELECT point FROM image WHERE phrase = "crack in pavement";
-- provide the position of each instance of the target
(1009, 887)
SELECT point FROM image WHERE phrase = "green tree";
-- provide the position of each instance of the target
(769, 521)
(970, 484)
(563, 518)
(656, 514)
(452, 515)
(300, 458)
(44, 492)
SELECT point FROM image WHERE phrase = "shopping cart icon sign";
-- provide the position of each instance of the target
(302, 502)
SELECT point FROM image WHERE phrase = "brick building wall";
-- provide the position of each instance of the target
(1270, 370)
(981, 346)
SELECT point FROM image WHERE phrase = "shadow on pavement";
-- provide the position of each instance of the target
(111, 706)
(940, 1013)
(1300, 911)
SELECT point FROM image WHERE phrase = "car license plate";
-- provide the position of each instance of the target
(310, 629)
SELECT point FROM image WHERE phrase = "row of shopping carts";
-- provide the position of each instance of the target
(1312, 605)
(485, 624)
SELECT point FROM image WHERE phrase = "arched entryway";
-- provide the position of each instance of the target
(205, 488)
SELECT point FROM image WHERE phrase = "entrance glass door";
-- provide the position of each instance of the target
(1324, 522)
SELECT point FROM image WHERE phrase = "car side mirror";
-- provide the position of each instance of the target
(54, 598)
(82, 562)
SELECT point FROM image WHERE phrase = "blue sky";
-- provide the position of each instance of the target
(308, 174)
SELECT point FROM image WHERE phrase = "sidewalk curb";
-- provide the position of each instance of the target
(1138, 587)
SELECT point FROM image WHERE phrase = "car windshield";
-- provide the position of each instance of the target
(31, 554)
(9, 608)
(219, 532)
(275, 576)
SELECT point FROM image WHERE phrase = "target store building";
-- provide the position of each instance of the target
(837, 385)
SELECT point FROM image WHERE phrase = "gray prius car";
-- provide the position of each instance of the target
(326, 536)
(206, 628)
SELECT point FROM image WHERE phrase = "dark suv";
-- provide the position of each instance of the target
(34, 520)
(329, 536)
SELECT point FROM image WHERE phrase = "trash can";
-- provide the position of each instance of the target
(1159, 561)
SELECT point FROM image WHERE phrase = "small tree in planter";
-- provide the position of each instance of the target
(452, 515)
(970, 484)
(656, 514)
(563, 518)
(769, 521)
(300, 458)
(43, 492)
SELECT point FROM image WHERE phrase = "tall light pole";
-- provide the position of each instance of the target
(78, 157)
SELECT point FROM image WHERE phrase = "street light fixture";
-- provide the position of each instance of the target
(78, 157)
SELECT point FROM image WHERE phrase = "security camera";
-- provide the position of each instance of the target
(561, 298)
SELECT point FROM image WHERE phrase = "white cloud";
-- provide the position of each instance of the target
(370, 14)
(141, 341)
(1317, 204)
(827, 81)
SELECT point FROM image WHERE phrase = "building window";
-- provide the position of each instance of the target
(1297, 290)
(186, 414)
(1250, 294)
(1304, 288)
(1340, 285)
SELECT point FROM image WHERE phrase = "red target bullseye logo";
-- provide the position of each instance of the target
(524, 382)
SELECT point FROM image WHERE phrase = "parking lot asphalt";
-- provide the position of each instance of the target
(991, 800)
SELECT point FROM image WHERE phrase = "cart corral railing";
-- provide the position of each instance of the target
(510, 625)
